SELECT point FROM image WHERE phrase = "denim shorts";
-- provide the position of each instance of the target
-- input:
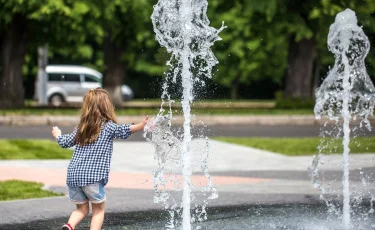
(94, 193)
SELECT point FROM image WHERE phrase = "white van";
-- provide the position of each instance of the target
(66, 83)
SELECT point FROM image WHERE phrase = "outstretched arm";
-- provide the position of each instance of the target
(139, 127)
(124, 131)
(66, 140)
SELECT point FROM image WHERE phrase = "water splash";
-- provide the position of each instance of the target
(182, 27)
(347, 94)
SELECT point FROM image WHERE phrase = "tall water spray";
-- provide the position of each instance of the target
(182, 27)
(347, 95)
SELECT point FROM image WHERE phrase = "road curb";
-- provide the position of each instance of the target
(42, 120)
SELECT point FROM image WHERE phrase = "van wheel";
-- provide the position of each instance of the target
(56, 100)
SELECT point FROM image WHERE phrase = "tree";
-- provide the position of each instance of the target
(326, 15)
(301, 51)
(34, 23)
(296, 26)
(274, 41)
(107, 36)
(306, 24)
(123, 22)
(252, 47)
(13, 49)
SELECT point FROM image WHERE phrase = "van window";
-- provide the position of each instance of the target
(54, 77)
(71, 77)
(90, 78)
(67, 77)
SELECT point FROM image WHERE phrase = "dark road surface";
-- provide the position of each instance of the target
(44, 132)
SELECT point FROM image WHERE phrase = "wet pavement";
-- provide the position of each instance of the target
(250, 217)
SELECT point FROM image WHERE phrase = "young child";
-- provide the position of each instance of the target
(90, 165)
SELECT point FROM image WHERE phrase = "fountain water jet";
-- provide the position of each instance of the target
(182, 27)
(347, 93)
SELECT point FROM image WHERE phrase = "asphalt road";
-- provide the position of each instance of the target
(44, 132)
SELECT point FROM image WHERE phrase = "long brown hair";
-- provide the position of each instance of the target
(97, 108)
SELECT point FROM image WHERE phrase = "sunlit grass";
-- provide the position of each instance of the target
(17, 190)
(152, 106)
(32, 149)
(302, 146)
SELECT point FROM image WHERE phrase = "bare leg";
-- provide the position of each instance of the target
(97, 216)
(79, 214)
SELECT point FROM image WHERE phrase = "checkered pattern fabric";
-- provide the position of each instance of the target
(91, 163)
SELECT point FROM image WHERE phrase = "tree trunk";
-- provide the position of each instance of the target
(300, 69)
(115, 70)
(13, 51)
(234, 89)
(316, 76)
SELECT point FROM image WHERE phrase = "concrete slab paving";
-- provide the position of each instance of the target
(139, 157)
(242, 175)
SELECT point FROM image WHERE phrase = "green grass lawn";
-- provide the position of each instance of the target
(150, 107)
(230, 111)
(32, 149)
(16, 190)
(302, 146)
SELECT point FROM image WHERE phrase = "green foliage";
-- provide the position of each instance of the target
(364, 10)
(254, 47)
(55, 22)
(269, 26)
(248, 51)
(17, 190)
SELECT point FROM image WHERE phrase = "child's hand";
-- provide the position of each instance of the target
(144, 123)
(139, 127)
(56, 132)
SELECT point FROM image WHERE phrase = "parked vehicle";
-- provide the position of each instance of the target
(66, 83)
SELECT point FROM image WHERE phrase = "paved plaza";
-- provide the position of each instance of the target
(242, 175)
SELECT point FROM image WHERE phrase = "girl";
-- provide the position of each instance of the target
(89, 168)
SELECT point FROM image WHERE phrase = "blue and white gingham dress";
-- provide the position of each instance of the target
(91, 163)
